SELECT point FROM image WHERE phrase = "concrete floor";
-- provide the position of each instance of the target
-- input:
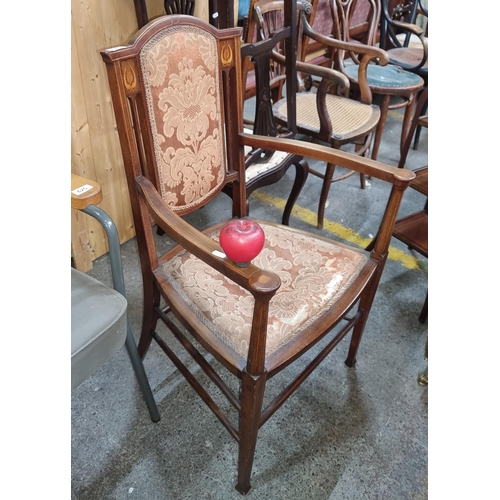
(346, 434)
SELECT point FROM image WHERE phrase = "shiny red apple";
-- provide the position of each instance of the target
(242, 240)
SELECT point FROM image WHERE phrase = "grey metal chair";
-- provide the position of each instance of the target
(99, 319)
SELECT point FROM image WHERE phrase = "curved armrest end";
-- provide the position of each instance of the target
(253, 279)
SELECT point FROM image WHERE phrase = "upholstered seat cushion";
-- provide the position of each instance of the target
(349, 118)
(389, 76)
(256, 169)
(98, 325)
(314, 273)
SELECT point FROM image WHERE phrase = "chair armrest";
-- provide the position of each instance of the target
(253, 279)
(367, 166)
(84, 192)
(416, 30)
(399, 178)
(329, 74)
(368, 51)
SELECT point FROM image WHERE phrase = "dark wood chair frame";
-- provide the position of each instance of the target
(259, 53)
(412, 229)
(349, 313)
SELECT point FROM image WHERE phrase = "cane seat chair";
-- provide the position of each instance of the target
(177, 95)
(328, 114)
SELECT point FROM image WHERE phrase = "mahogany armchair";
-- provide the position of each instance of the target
(413, 229)
(177, 95)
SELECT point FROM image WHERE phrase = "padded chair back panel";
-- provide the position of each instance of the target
(171, 96)
(98, 325)
(187, 130)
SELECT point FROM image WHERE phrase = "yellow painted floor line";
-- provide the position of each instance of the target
(337, 229)
(395, 114)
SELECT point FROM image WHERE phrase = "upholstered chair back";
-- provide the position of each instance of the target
(176, 129)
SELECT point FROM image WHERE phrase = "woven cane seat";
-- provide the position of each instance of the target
(349, 118)
(315, 273)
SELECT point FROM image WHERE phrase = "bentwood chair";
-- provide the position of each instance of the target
(395, 87)
(327, 115)
(321, 21)
(406, 43)
(177, 94)
(99, 320)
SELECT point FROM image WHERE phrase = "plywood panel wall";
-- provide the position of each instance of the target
(95, 151)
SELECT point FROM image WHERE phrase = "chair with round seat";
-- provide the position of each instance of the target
(391, 85)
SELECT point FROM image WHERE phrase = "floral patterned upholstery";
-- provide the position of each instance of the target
(183, 109)
(314, 274)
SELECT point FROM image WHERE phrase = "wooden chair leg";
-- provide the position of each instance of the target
(424, 311)
(407, 121)
(384, 107)
(419, 128)
(325, 189)
(149, 317)
(357, 148)
(365, 305)
(301, 173)
(252, 396)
